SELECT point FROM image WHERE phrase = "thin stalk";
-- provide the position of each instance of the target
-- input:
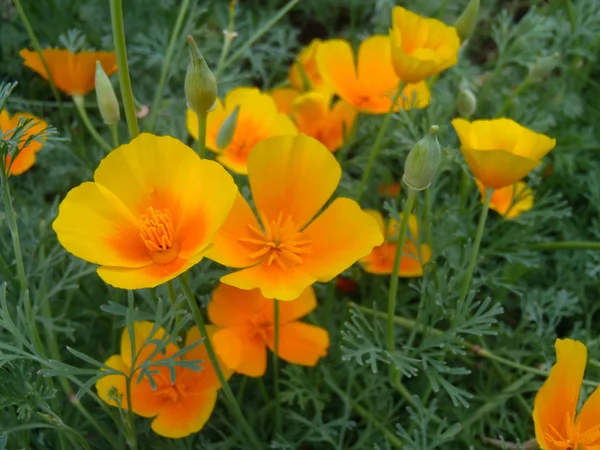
(509, 100)
(566, 245)
(173, 299)
(240, 394)
(116, 15)
(201, 142)
(427, 217)
(79, 101)
(132, 438)
(276, 366)
(232, 403)
(228, 37)
(375, 149)
(164, 75)
(114, 133)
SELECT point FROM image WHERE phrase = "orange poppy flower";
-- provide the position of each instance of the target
(500, 152)
(510, 201)
(390, 190)
(421, 47)
(149, 215)
(381, 260)
(557, 424)
(315, 116)
(284, 97)
(25, 153)
(291, 179)
(307, 58)
(247, 328)
(73, 73)
(179, 406)
(370, 84)
(258, 119)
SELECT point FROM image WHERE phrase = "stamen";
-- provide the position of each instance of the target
(157, 232)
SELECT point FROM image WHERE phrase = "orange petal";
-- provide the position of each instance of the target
(557, 398)
(342, 119)
(242, 350)
(309, 111)
(335, 61)
(293, 176)
(143, 332)
(230, 306)
(105, 384)
(290, 310)
(207, 376)
(510, 201)
(376, 75)
(300, 343)
(284, 97)
(381, 260)
(589, 416)
(26, 155)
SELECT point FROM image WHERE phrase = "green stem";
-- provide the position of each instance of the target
(427, 217)
(276, 366)
(114, 133)
(116, 14)
(201, 142)
(566, 245)
(228, 37)
(509, 100)
(79, 104)
(375, 148)
(475, 250)
(132, 438)
(173, 298)
(164, 75)
(233, 405)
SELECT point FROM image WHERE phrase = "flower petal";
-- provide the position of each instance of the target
(185, 416)
(284, 97)
(335, 61)
(230, 306)
(309, 111)
(143, 333)
(300, 343)
(509, 201)
(375, 71)
(590, 412)
(381, 260)
(242, 350)
(207, 376)
(105, 384)
(293, 309)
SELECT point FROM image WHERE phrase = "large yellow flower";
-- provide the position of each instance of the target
(500, 152)
(307, 58)
(291, 179)
(370, 83)
(421, 47)
(150, 214)
(26, 152)
(257, 120)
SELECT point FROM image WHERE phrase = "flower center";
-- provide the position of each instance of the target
(156, 230)
(574, 438)
(281, 243)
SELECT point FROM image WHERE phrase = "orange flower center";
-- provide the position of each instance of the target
(575, 438)
(281, 243)
(164, 388)
(156, 230)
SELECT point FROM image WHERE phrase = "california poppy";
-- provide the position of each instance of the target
(73, 73)
(149, 215)
(258, 119)
(304, 73)
(284, 97)
(510, 201)
(291, 179)
(390, 190)
(369, 83)
(246, 321)
(27, 150)
(500, 152)
(558, 426)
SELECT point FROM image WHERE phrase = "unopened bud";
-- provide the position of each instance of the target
(106, 97)
(543, 67)
(465, 24)
(200, 83)
(227, 129)
(466, 103)
(423, 161)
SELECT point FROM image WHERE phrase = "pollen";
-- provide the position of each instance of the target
(574, 438)
(156, 230)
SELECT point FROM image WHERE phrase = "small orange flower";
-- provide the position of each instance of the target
(179, 406)
(149, 215)
(557, 424)
(247, 328)
(510, 201)
(307, 58)
(368, 85)
(500, 152)
(258, 119)
(421, 47)
(25, 153)
(381, 260)
(346, 285)
(291, 179)
(284, 97)
(315, 116)
(73, 73)
(390, 190)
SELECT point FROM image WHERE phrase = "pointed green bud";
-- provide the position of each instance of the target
(423, 161)
(543, 67)
(227, 129)
(465, 24)
(106, 97)
(466, 103)
(200, 83)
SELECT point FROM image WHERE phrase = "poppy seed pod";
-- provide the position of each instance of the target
(543, 67)
(200, 82)
(227, 129)
(106, 97)
(465, 24)
(466, 103)
(423, 161)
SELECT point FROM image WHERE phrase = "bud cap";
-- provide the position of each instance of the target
(466, 103)
(107, 99)
(200, 82)
(227, 129)
(465, 24)
(423, 161)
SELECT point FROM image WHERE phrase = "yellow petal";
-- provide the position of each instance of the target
(118, 382)
(230, 306)
(335, 61)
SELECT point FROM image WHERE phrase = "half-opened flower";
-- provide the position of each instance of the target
(381, 260)
(304, 74)
(246, 321)
(510, 201)
(558, 426)
(150, 213)
(284, 97)
(421, 47)
(28, 144)
(73, 73)
(258, 119)
(500, 152)
(370, 83)
(316, 116)
(291, 245)
(182, 399)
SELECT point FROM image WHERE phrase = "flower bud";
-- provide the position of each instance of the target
(106, 97)
(227, 129)
(543, 67)
(423, 161)
(466, 103)
(465, 24)
(200, 83)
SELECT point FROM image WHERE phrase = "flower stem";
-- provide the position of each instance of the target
(509, 100)
(375, 149)
(78, 100)
(116, 14)
(201, 142)
(228, 37)
(566, 245)
(233, 405)
(114, 132)
(276, 366)
(132, 438)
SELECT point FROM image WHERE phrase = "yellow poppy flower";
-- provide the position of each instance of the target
(150, 214)
(500, 152)
(26, 153)
(370, 83)
(284, 97)
(509, 201)
(307, 59)
(258, 119)
(73, 73)
(291, 179)
(421, 47)
(557, 424)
